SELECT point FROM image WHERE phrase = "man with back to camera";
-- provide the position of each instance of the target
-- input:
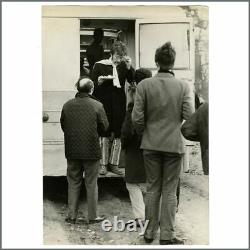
(82, 118)
(161, 104)
(196, 129)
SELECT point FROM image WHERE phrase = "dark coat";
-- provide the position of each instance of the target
(134, 165)
(95, 53)
(82, 118)
(161, 104)
(196, 129)
(112, 98)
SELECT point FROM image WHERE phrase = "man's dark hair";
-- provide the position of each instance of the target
(141, 74)
(98, 32)
(84, 86)
(165, 56)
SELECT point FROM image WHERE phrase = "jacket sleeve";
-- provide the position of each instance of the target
(187, 104)
(190, 128)
(130, 74)
(62, 119)
(138, 113)
(95, 74)
(102, 120)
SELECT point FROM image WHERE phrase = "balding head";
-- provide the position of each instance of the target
(85, 85)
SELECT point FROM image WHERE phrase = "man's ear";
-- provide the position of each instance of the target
(91, 91)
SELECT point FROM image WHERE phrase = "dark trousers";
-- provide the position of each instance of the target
(75, 176)
(163, 173)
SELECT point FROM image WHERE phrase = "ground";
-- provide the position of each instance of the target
(191, 219)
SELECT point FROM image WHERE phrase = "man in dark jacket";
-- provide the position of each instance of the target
(196, 129)
(95, 51)
(161, 103)
(82, 118)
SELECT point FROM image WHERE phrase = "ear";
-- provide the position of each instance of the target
(91, 91)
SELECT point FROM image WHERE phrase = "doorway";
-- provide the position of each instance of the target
(112, 28)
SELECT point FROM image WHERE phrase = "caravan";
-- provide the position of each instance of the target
(68, 30)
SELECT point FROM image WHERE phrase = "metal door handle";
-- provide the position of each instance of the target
(45, 117)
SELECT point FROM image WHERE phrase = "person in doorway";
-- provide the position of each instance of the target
(81, 119)
(196, 129)
(95, 51)
(109, 77)
(134, 166)
(161, 104)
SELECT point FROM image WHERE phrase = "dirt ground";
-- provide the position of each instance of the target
(191, 220)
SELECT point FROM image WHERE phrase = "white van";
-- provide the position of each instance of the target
(68, 30)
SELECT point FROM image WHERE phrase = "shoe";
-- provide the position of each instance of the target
(97, 220)
(82, 221)
(103, 170)
(148, 240)
(173, 241)
(70, 220)
(114, 169)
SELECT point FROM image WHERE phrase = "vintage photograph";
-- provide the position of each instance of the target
(125, 124)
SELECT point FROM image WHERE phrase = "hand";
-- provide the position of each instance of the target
(132, 88)
(128, 61)
(100, 80)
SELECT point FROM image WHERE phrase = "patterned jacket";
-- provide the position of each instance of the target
(82, 120)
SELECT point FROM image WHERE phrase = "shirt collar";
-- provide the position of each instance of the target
(164, 74)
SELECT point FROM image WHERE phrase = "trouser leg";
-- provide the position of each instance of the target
(115, 152)
(171, 175)
(74, 177)
(115, 156)
(153, 168)
(91, 175)
(137, 202)
(178, 190)
(104, 144)
(205, 161)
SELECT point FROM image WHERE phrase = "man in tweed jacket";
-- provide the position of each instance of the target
(82, 118)
(161, 104)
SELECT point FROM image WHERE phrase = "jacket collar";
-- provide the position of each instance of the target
(82, 95)
(164, 74)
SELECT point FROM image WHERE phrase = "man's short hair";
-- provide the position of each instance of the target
(84, 85)
(165, 56)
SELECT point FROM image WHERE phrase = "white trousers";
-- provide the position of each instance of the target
(136, 191)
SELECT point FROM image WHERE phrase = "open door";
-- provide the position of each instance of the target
(152, 33)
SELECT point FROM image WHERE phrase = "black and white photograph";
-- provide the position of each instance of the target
(125, 125)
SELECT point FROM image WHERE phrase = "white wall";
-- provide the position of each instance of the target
(60, 53)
